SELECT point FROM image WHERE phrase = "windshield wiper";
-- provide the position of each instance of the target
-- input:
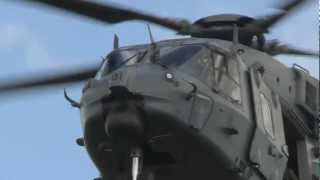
(127, 60)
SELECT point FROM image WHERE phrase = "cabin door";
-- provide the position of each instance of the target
(268, 149)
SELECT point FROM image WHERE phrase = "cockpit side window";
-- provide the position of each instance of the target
(223, 75)
(267, 115)
(233, 70)
(196, 66)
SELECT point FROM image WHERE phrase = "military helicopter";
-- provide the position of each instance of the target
(215, 105)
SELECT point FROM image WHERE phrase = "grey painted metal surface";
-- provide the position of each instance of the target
(214, 105)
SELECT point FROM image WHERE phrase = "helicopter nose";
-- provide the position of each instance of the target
(124, 125)
(124, 120)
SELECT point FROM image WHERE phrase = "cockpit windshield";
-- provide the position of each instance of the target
(169, 56)
(119, 58)
(211, 67)
(176, 56)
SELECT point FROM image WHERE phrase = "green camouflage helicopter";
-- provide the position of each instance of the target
(215, 105)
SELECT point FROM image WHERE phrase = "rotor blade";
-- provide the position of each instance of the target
(295, 51)
(274, 47)
(110, 13)
(268, 21)
(46, 79)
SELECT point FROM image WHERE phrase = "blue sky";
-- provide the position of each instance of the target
(38, 129)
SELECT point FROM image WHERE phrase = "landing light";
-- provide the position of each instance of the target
(169, 76)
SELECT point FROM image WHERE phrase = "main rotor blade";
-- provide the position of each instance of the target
(110, 13)
(40, 80)
(268, 21)
(274, 47)
(295, 51)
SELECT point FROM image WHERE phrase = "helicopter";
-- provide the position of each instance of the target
(213, 121)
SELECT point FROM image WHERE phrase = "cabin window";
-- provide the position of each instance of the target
(267, 115)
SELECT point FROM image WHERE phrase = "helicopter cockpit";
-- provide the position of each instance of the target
(211, 67)
(119, 58)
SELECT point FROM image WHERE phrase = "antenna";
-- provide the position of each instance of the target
(115, 41)
(235, 34)
(150, 35)
(155, 50)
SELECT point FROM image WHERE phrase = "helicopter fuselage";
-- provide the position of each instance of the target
(215, 105)
(188, 124)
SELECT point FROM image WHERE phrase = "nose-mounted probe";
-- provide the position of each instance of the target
(125, 126)
(136, 157)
